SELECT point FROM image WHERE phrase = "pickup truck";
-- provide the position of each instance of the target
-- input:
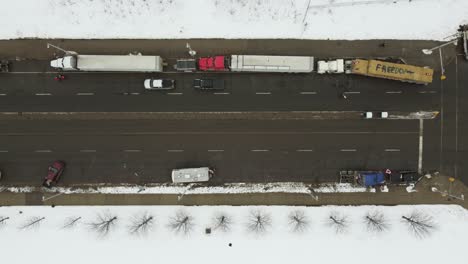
(208, 84)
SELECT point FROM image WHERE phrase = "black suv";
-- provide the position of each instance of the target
(208, 84)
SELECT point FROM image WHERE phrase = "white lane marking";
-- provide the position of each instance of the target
(3, 94)
(174, 93)
(132, 150)
(221, 93)
(43, 151)
(3, 151)
(215, 150)
(352, 92)
(87, 150)
(42, 94)
(304, 150)
(392, 150)
(347, 150)
(421, 132)
(394, 92)
(135, 93)
(429, 92)
(263, 93)
(175, 150)
(308, 92)
(259, 150)
(85, 94)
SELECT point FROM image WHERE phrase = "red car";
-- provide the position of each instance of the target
(53, 173)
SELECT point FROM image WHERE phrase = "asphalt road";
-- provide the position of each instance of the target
(257, 151)
(242, 151)
(124, 92)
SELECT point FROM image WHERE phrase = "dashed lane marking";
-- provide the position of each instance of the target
(3, 151)
(221, 93)
(259, 150)
(304, 150)
(132, 150)
(308, 92)
(135, 93)
(427, 92)
(263, 93)
(3, 94)
(348, 150)
(394, 92)
(175, 150)
(85, 94)
(352, 92)
(174, 93)
(392, 150)
(88, 150)
(43, 151)
(43, 94)
(215, 150)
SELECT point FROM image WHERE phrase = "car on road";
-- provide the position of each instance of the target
(208, 84)
(370, 115)
(159, 84)
(54, 172)
(191, 175)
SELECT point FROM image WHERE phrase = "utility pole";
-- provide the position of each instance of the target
(429, 52)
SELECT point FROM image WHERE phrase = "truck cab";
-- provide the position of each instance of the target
(216, 63)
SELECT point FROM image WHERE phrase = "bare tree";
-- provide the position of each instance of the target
(182, 222)
(3, 220)
(420, 224)
(298, 221)
(376, 222)
(222, 222)
(141, 224)
(103, 224)
(32, 222)
(338, 222)
(258, 221)
(71, 222)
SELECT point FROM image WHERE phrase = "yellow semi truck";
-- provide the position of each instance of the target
(379, 69)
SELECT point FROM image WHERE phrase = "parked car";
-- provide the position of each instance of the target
(159, 84)
(54, 172)
(208, 84)
(370, 115)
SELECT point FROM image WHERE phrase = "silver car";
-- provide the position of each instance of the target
(159, 84)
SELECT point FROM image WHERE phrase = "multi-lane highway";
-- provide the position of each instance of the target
(143, 151)
(241, 151)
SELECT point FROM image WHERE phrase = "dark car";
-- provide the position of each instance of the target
(208, 84)
(53, 173)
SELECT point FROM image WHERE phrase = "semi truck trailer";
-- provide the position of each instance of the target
(257, 63)
(378, 69)
(119, 63)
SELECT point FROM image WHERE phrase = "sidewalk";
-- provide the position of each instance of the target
(396, 195)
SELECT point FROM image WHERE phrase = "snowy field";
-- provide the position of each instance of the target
(167, 19)
(318, 240)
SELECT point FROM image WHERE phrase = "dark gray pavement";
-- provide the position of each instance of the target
(137, 151)
(31, 88)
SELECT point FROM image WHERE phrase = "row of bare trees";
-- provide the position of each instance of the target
(258, 222)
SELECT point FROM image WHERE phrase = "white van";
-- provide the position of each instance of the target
(189, 175)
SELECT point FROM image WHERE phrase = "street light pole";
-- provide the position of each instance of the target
(429, 52)
(67, 52)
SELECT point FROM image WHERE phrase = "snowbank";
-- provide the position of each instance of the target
(167, 19)
(318, 242)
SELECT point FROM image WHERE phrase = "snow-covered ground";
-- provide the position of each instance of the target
(274, 187)
(318, 242)
(167, 19)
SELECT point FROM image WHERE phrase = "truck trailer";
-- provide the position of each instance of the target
(378, 69)
(118, 63)
(257, 63)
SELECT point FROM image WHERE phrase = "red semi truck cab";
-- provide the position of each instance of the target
(216, 63)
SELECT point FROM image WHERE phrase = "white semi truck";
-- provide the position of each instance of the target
(119, 63)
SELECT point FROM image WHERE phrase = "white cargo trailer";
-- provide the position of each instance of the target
(261, 63)
(120, 63)
(189, 175)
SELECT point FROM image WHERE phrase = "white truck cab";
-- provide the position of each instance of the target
(333, 66)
